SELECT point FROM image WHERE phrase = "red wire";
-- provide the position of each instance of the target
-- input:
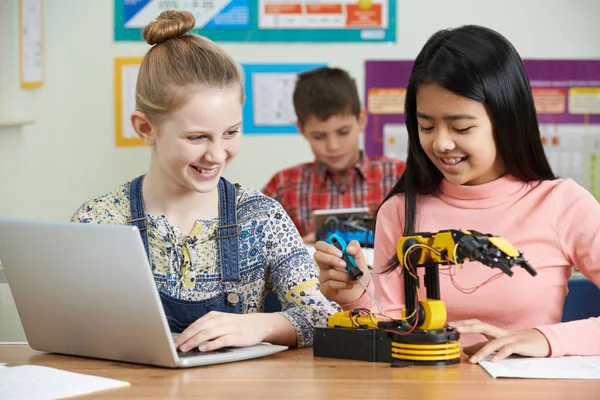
(474, 288)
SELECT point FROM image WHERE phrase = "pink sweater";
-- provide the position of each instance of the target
(555, 223)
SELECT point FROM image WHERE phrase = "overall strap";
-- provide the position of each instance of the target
(138, 212)
(228, 232)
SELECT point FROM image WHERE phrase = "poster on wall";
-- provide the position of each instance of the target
(385, 87)
(125, 72)
(567, 99)
(268, 20)
(31, 43)
(269, 107)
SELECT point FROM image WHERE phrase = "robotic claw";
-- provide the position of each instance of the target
(419, 336)
(457, 246)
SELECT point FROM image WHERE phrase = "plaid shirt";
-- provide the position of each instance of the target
(312, 186)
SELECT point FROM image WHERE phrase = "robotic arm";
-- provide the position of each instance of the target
(419, 336)
(429, 250)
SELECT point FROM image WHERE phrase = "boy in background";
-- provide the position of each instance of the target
(331, 118)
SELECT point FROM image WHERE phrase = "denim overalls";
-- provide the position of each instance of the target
(182, 313)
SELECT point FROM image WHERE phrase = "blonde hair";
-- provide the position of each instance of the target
(179, 62)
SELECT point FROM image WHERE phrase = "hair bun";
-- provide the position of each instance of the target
(168, 25)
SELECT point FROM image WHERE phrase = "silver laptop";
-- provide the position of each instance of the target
(87, 290)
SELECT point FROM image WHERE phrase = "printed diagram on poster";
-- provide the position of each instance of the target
(272, 99)
(268, 20)
(316, 14)
(567, 101)
(219, 14)
(269, 107)
(31, 43)
(394, 137)
(126, 72)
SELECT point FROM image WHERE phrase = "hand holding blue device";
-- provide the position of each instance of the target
(353, 270)
(339, 243)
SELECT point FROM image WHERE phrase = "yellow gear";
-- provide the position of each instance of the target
(435, 314)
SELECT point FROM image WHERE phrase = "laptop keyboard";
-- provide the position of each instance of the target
(195, 352)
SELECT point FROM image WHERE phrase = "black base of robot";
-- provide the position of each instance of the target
(375, 345)
(353, 344)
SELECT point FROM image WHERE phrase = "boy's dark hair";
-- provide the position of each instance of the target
(479, 64)
(324, 92)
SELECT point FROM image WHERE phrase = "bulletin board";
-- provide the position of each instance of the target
(268, 20)
(269, 107)
(125, 73)
(567, 100)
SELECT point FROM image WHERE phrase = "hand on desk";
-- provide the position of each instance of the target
(335, 281)
(527, 342)
(217, 329)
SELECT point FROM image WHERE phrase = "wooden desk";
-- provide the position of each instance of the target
(296, 374)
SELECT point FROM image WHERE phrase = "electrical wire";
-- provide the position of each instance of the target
(452, 269)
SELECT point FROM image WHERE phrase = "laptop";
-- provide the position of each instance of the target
(348, 223)
(88, 290)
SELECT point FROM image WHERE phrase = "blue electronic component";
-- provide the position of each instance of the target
(338, 242)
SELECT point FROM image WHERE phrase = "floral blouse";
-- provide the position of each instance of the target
(272, 257)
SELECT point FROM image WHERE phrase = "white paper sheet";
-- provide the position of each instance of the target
(545, 368)
(129, 74)
(29, 382)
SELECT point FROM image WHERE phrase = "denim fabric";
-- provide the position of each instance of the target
(181, 313)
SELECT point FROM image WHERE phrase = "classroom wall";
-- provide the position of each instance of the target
(48, 168)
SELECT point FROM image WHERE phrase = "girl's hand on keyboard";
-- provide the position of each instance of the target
(217, 329)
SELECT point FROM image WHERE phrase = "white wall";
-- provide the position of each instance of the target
(68, 155)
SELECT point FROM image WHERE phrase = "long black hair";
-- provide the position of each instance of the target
(479, 64)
